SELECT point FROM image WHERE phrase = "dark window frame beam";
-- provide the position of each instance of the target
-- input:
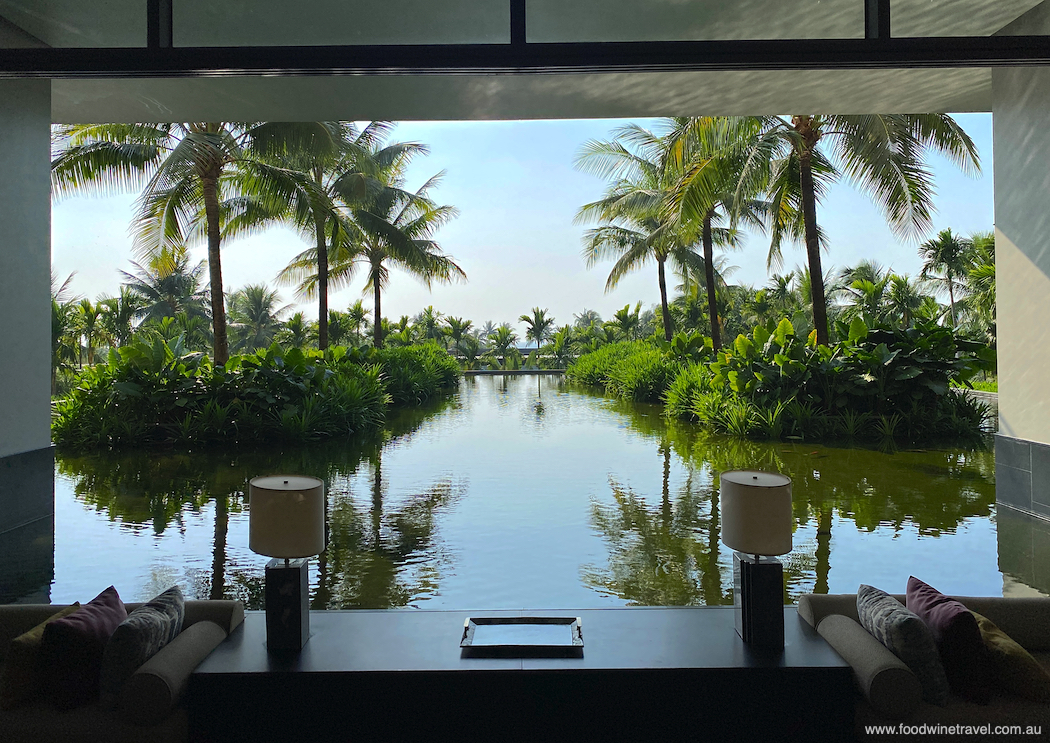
(528, 58)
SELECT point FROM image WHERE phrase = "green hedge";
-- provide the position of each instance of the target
(150, 394)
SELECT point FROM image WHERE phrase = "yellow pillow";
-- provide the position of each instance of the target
(1013, 668)
(23, 674)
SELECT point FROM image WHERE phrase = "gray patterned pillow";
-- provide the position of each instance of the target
(907, 636)
(138, 638)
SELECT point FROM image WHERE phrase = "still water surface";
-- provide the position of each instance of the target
(525, 492)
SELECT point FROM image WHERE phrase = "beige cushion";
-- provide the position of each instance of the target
(154, 689)
(24, 672)
(1013, 668)
(884, 679)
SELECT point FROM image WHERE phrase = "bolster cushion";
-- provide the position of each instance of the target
(154, 689)
(884, 679)
(226, 614)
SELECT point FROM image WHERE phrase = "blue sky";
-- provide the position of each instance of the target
(517, 192)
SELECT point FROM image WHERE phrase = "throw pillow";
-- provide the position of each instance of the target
(72, 648)
(958, 639)
(1013, 668)
(138, 638)
(22, 674)
(907, 637)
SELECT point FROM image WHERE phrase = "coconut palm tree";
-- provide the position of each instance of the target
(206, 181)
(708, 154)
(168, 288)
(89, 324)
(392, 226)
(254, 317)
(296, 331)
(538, 324)
(457, 329)
(796, 159)
(428, 324)
(980, 284)
(636, 225)
(903, 299)
(357, 316)
(946, 261)
(326, 185)
(586, 318)
(118, 316)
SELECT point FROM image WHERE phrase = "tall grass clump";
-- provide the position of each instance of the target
(147, 394)
(630, 370)
(594, 369)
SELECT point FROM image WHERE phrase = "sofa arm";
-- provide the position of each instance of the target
(886, 682)
(154, 689)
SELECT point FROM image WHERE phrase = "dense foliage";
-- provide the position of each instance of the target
(878, 384)
(158, 393)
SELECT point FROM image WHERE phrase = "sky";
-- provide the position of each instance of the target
(518, 193)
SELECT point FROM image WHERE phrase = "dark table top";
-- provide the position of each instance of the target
(404, 640)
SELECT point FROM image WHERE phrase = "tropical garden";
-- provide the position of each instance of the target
(856, 352)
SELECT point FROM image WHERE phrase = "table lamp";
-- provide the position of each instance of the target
(756, 524)
(286, 522)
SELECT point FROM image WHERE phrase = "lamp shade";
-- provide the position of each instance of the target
(756, 512)
(286, 516)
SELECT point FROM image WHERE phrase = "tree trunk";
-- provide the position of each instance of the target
(220, 348)
(951, 299)
(709, 272)
(816, 274)
(377, 326)
(322, 285)
(664, 309)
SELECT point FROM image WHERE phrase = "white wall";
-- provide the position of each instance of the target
(25, 265)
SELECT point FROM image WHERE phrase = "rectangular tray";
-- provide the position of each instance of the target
(522, 637)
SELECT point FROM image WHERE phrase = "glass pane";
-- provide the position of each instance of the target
(76, 23)
(954, 17)
(338, 22)
(692, 20)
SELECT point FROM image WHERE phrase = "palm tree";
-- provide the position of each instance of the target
(88, 321)
(322, 184)
(586, 318)
(709, 154)
(796, 159)
(202, 181)
(503, 340)
(457, 330)
(296, 332)
(118, 316)
(539, 325)
(167, 289)
(392, 226)
(254, 317)
(903, 299)
(949, 255)
(428, 324)
(980, 283)
(628, 322)
(357, 315)
(636, 224)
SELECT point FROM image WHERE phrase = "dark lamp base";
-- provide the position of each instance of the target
(287, 604)
(758, 598)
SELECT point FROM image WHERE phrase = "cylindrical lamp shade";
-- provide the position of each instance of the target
(286, 516)
(756, 512)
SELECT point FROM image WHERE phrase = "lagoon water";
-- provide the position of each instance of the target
(523, 491)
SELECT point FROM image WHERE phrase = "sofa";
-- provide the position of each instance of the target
(149, 709)
(890, 694)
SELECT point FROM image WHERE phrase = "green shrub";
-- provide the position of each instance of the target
(148, 394)
(878, 384)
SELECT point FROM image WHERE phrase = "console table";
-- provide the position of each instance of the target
(646, 674)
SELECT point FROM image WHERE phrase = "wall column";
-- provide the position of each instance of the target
(1021, 137)
(27, 501)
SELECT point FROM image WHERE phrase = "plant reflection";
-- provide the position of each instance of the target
(384, 565)
(669, 555)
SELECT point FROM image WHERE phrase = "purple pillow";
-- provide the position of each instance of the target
(958, 639)
(72, 649)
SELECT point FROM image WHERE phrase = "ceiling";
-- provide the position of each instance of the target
(116, 23)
